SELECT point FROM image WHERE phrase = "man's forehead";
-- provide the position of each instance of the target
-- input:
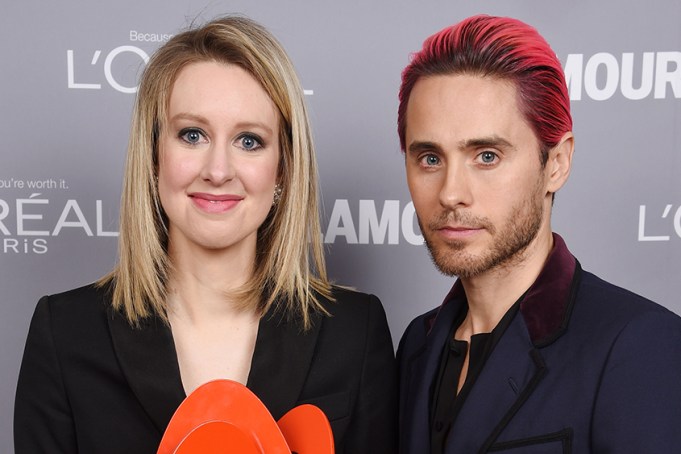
(465, 104)
(464, 94)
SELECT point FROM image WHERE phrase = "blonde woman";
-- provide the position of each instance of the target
(221, 271)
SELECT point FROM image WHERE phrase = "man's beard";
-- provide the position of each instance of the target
(508, 243)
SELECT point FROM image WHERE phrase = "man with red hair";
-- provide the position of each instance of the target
(528, 352)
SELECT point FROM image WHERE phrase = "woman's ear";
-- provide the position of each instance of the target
(559, 163)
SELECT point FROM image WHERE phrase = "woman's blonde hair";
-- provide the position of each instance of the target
(289, 272)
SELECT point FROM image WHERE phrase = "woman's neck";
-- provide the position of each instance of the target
(202, 281)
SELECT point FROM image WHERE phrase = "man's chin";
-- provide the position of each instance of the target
(451, 260)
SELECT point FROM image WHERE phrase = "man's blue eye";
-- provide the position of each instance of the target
(487, 157)
(432, 160)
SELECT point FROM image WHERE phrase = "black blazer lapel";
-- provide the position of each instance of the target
(148, 360)
(281, 360)
(422, 368)
(509, 377)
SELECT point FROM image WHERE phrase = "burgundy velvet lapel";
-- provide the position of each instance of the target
(547, 304)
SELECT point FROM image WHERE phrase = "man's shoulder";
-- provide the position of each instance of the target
(610, 296)
(604, 307)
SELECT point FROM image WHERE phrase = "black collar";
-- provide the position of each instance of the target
(147, 356)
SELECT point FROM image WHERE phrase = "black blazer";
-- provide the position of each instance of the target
(584, 367)
(89, 383)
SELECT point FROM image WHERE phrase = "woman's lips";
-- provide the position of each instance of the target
(215, 203)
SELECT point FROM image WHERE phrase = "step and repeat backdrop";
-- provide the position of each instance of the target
(68, 80)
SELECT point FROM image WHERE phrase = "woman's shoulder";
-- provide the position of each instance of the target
(83, 302)
(67, 321)
(346, 298)
(352, 306)
(348, 294)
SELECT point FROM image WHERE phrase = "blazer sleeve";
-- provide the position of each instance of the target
(42, 415)
(638, 408)
(374, 421)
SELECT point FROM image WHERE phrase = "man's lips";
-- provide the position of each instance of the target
(215, 203)
(454, 227)
(457, 231)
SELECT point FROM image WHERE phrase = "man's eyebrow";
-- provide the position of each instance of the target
(422, 145)
(482, 142)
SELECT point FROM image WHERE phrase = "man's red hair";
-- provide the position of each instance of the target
(504, 48)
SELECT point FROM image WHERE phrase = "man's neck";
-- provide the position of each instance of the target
(491, 294)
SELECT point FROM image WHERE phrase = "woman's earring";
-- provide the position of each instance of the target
(277, 194)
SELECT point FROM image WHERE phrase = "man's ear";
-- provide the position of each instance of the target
(559, 163)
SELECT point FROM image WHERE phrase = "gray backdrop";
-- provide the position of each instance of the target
(69, 69)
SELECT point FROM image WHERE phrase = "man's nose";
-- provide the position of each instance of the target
(456, 190)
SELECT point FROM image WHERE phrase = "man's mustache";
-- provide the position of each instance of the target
(460, 219)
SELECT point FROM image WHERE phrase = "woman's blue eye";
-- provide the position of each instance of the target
(249, 142)
(192, 136)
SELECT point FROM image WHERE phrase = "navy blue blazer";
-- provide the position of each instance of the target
(90, 383)
(583, 367)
